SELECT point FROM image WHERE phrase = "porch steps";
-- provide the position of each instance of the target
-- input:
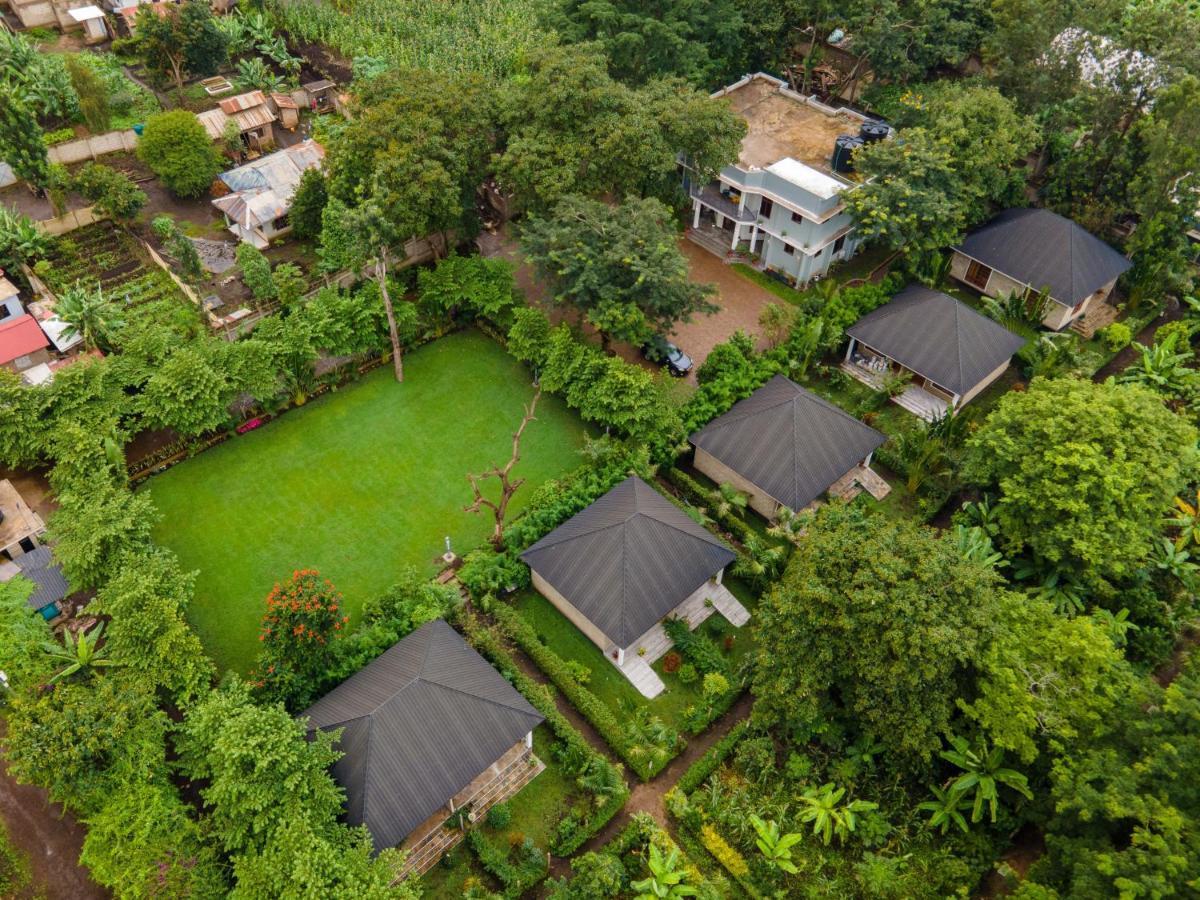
(714, 240)
(918, 402)
(1098, 316)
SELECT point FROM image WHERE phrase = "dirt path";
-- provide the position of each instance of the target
(1146, 336)
(1188, 641)
(50, 838)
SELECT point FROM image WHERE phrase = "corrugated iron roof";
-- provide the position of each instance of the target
(255, 117)
(628, 559)
(50, 585)
(20, 336)
(213, 121)
(263, 189)
(790, 443)
(421, 722)
(248, 100)
(1045, 250)
(938, 337)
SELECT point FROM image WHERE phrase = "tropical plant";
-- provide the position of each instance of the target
(728, 500)
(983, 776)
(1177, 563)
(20, 240)
(946, 809)
(1059, 587)
(761, 561)
(667, 877)
(830, 817)
(973, 543)
(255, 75)
(789, 525)
(1165, 369)
(1116, 624)
(81, 653)
(1017, 310)
(89, 315)
(1186, 518)
(775, 846)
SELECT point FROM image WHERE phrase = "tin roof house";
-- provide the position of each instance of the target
(253, 114)
(257, 208)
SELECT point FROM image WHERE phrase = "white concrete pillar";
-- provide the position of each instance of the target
(737, 235)
(695, 213)
(753, 236)
(720, 575)
(529, 740)
(867, 462)
(620, 657)
(850, 350)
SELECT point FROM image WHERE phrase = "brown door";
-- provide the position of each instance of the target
(978, 275)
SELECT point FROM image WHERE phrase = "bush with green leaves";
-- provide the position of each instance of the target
(179, 151)
(696, 647)
(256, 271)
(1116, 336)
(113, 193)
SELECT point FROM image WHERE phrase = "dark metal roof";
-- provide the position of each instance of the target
(50, 585)
(421, 722)
(628, 559)
(937, 336)
(790, 443)
(1045, 250)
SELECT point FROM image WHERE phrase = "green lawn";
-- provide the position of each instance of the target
(357, 484)
(606, 682)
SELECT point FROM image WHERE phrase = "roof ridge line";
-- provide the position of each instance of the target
(456, 690)
(572, 537)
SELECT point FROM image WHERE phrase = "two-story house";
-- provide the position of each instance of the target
(782, 201)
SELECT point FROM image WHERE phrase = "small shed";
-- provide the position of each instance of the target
(320, 95)
(287, 109)
(23, 345)
(49, 584)
(20, 526)
(95, 29)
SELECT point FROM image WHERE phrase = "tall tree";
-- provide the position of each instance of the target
(1083, 472)
(177, 148)
(876, 627)
(21, 144)
(181, 40)
(620, 266)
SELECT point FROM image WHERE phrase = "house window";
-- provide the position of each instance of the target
(796, 217)
(789, 249)
(978, 275)
(5, 312)
(839, 244)
(22, 362)
(766, 208)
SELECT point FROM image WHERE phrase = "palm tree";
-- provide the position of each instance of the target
(791, 526)
(761, 561)
(775, 847)
(601, 781)
(829, 816)
(983, 775)
(1186, 517)
(89, 315)
(79, 653)
(728, 500)
(945, 809)
(666, 881)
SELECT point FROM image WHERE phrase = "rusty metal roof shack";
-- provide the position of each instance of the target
(262, 190)
(787, 441)
(628, 559)
(420, 723)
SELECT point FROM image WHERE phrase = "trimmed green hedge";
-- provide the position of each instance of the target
(698, 496)
(596, 711)
(701, 769)
(517, 879)
(570, 838)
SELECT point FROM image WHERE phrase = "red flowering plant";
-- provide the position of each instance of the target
(303, 618)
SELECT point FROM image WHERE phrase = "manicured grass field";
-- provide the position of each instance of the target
(357, 484)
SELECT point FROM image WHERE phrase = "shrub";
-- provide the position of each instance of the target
(578, 670)
(671, 662)
(715, 685)
(701, 769)
(727, 856)
(177, 148)
(256, 271)
(113, 193)
(517, 878)
(499, 816)
(289, 283)
(307, 204)
(697, 648)
(1116, 336)
(1181, 327)
(688, 673)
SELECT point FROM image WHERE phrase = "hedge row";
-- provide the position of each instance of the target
(697, 495)
(701, 769)
(517, 879)
(591, 707)
(571, 838)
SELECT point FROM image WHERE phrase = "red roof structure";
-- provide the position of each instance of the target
(20, 336)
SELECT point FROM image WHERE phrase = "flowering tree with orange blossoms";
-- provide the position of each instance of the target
(303, 618)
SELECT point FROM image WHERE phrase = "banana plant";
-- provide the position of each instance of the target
(973, 543)
(946, 809)
(728, 500)
(1177, 563)
(81, 654)
(775, 846)
(983, 776)
(1186, 518)
(830, 817)
(667, 877)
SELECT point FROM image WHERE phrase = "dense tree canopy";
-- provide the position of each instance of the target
(875, 628)
(620, 266)
(175, 145)
(1083, 472)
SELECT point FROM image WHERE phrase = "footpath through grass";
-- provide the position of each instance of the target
(357, 484)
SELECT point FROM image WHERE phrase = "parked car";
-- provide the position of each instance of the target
(659, 350)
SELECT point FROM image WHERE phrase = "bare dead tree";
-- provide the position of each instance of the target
(508, 484)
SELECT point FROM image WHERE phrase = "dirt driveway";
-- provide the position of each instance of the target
(740, 299)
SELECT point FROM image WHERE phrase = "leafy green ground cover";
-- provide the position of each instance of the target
(610, 685)
(14, 867)
(356, 484)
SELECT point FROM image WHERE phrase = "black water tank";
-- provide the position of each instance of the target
(873, 131)
(843, 151)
